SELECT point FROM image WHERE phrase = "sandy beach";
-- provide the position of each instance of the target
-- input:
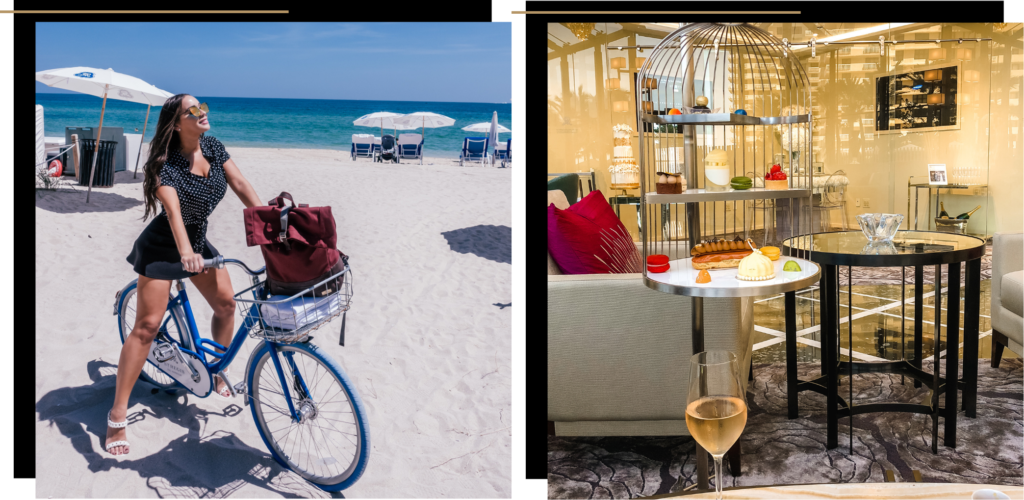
(428, 337)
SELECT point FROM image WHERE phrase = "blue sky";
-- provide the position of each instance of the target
(452, 62)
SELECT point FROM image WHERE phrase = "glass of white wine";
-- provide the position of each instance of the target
(716, 408)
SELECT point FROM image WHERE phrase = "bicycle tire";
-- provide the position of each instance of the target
(175, 331)
(258, 372)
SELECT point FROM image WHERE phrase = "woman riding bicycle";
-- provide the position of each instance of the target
(189, 173)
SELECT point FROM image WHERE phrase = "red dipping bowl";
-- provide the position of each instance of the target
(657, 263)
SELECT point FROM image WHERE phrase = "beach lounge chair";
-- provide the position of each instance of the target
(388, 150)
(508, 154)
(473, 149)
(499, 151)
(376, 146)
(362, 145)
(410, 145)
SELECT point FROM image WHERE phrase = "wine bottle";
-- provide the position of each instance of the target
(967, 215)
(943, 214)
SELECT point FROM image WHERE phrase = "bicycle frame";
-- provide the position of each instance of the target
(224, 359)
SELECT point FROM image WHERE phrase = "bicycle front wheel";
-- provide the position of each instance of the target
(329, 445)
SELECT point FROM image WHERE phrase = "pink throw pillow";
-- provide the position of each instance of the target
(574, 234)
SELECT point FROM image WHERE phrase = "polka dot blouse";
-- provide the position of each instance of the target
(197, 195)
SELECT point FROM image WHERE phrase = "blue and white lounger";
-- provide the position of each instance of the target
(362, 146)
(499, 151)
(473, 149)
(410, 146)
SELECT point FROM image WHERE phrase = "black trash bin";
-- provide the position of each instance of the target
(104, 163)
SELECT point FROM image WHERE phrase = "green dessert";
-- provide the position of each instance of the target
(791, 267)
(741, 183)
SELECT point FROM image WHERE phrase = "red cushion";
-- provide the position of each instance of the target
(574, 234)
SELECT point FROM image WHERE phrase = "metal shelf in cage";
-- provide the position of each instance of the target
(702, 195)
(723, 119)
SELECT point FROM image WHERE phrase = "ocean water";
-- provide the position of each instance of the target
(279, 123)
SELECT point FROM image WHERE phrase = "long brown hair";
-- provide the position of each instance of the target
(164, 141)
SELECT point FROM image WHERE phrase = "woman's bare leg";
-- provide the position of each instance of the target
(151, 303)
(215, 286)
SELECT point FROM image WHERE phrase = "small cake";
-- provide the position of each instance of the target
(716, 170)
(755, 267)
(657, 263)
(670, 183)
(703, 276)
(775, 179)
(772, 253)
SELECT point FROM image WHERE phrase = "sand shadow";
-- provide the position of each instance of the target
(192, 466)
(67, 201)
(128, 176)
(490, 242)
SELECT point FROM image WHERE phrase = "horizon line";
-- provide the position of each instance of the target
(295, 98)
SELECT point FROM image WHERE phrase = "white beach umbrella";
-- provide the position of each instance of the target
(425, 119)
(105, 82)
(492, 135)
(485, 127)
(379, 119)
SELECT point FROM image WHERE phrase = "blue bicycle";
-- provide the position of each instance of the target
(306, 409)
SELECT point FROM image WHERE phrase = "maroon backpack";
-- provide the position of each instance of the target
(299, 245)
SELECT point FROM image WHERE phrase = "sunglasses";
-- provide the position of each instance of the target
(194, 111)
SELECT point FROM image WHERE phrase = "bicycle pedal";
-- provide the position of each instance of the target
(240, 390)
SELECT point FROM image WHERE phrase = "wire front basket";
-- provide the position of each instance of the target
(292, 319)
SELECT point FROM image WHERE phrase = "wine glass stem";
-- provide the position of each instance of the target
(718, 477)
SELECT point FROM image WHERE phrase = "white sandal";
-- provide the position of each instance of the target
(228, 396)
(116, 425)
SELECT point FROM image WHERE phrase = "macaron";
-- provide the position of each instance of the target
(657, 263)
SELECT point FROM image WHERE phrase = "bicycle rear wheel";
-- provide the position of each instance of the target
(171, 327)
(330, 446)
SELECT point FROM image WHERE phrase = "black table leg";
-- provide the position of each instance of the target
(791, 380)
(697, 312)
(936, 364)
(952, 350)
(972, 303)
(918, 316)
(829, 335)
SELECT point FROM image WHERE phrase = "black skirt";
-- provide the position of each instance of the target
(155, 254)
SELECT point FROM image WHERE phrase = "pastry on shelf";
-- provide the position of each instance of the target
(702, 105)
(772, 253)
(755, 267)
(703, 276)
(720, 254)
(669, 183)
(775, 179)
(716, 171)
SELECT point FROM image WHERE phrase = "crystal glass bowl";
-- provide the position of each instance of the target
(879, 227)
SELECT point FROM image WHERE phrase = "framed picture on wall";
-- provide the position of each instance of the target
(924, 99)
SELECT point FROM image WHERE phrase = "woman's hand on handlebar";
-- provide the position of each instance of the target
(193, 263)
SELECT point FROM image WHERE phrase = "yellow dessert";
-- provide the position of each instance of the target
(703, 276)
(772, 253)
(716, 170)
(755, 267)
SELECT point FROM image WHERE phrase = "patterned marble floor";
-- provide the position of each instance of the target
(776, 450)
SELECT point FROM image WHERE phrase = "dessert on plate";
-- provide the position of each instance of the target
(755, 267)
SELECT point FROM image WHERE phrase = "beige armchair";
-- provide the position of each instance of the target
(618, 352)
(1007, 294)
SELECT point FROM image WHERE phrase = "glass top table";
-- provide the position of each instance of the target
(914, 249)
(908, 248)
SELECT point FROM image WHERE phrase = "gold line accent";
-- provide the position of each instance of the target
(143, 11)
(657, 12)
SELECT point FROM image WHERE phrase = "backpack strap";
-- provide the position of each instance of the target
(283, 236)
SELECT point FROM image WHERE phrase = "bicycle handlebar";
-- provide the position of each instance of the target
(219, 261)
